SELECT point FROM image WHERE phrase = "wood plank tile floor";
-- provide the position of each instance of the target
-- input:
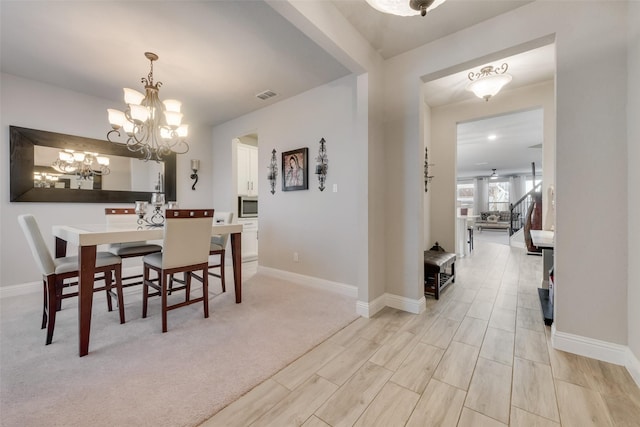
(480, 356)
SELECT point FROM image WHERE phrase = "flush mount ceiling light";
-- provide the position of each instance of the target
(488, 81)
(405, 7)
(152, 127)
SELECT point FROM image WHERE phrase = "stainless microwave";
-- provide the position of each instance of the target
(247, 206)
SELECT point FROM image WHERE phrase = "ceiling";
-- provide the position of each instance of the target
(392, 35)
(508, 143)
(215, 56)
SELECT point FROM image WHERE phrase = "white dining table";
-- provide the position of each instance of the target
(88, 236)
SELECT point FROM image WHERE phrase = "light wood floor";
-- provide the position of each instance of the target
(480, 356)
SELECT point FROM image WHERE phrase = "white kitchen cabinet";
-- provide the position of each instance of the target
(249, 238)
(247, 170)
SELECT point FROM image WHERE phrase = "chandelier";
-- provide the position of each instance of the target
(405, 7)
(488, 81)
(44, 180)
(84, 165)
(152, 128)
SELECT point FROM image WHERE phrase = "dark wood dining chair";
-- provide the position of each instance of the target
(186, 244)
(217, 249)
(56, 270)
(128, 217)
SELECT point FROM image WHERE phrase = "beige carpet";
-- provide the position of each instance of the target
(136, 376)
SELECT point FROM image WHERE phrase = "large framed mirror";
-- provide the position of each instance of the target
(34, 179)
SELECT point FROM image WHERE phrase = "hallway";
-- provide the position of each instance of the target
(480, 356)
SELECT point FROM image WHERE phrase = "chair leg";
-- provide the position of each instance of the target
(44, 305)
(118, 274)
(59, 287)
(163, 295)
(224, 288)
(145, 291)
(205, 292)
(108, 279)
(52, 289)
(187, 284)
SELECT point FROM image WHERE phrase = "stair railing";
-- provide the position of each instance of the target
(518, 210)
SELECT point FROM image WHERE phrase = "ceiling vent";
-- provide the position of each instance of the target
(266, 95)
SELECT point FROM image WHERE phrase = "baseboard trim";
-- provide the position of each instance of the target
(20, 289)
(633, 366)
(406, 304)
(394, 301)
(597, 349)
(369, 309)
(588, 347)
(341, 288)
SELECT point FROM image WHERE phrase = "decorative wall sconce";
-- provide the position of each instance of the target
(427, 177)
(322, 164)
(273, 171)
(195, 166)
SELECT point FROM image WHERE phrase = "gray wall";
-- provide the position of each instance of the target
(319, 225)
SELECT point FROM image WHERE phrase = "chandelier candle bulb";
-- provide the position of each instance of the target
(173, 118)
(116, 118)
(172, 105)
(139, 114)
(132, 96)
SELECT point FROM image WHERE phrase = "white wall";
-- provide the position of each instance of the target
(444, 122)
(591, 262)
(319, 225)
(633, 141)
(36, 105)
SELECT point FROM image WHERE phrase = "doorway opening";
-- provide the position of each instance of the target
(247, 193)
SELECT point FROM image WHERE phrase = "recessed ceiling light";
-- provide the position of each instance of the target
(492, 137)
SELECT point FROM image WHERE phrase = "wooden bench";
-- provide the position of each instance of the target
(439, 271)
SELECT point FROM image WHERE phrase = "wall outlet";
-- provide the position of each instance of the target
(295, 257)
(335, 188)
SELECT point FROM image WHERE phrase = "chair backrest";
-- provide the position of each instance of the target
(121, 216)
(222, 218)
(37, 244)
(187, 237)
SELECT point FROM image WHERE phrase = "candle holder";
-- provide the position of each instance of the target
(322, 164)
(273, 171)
(157, 218)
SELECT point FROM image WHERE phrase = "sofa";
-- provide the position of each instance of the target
(494, 220)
